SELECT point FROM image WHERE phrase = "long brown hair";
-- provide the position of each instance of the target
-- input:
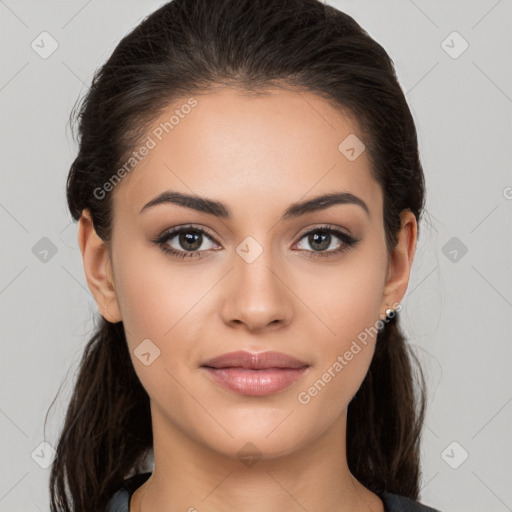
(189, 46)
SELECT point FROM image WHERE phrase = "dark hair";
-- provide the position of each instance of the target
(194, 46)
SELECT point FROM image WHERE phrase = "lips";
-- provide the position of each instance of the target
(254, 361)
(255, 374)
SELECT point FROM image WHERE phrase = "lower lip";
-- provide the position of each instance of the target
(255, 382)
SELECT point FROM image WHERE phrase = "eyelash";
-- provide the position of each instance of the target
(161, 241)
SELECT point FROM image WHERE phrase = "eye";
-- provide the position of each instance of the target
(321, 238)
(188, 241)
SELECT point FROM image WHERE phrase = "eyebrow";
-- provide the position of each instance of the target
(219, 209)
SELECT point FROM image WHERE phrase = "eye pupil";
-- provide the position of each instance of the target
(190, 237)
(323, 236)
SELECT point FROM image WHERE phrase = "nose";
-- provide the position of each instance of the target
(257, 294)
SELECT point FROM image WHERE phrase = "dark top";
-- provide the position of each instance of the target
(120, 501)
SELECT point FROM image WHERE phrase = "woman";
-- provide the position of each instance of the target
(248, 190)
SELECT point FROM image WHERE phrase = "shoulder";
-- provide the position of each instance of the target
(398, 503)
(120, 501)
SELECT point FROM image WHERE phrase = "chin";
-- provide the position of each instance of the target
(256, 443)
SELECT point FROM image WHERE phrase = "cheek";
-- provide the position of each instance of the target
(154, 300)
(346, 300)
(152, 295)
(343, 360)
(348, 306)
(164, 304)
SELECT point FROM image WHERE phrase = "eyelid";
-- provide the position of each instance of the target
(319, 227)
(192, 227)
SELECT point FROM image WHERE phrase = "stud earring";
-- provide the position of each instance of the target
(390, 313)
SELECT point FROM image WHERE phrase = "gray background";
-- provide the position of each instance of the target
(458, 309)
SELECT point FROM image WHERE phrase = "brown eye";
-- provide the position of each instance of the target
(322, 238)
(186, 242)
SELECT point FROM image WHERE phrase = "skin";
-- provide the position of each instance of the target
(258, 155)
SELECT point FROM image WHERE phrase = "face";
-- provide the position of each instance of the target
(306, 284)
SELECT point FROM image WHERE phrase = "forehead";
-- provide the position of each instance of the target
(268, 148)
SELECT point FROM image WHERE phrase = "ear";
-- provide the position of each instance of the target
(400, 262)
(98, 269)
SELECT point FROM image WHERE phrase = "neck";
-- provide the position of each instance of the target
(191, 477)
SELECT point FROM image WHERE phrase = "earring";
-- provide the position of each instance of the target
(390, 313)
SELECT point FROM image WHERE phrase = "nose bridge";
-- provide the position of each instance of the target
(258, 295)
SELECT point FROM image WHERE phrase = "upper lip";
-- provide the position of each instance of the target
(254, 361)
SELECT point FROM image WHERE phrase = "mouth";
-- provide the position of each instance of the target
(255, 374)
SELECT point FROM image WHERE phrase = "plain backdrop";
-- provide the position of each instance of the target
(453, 61)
